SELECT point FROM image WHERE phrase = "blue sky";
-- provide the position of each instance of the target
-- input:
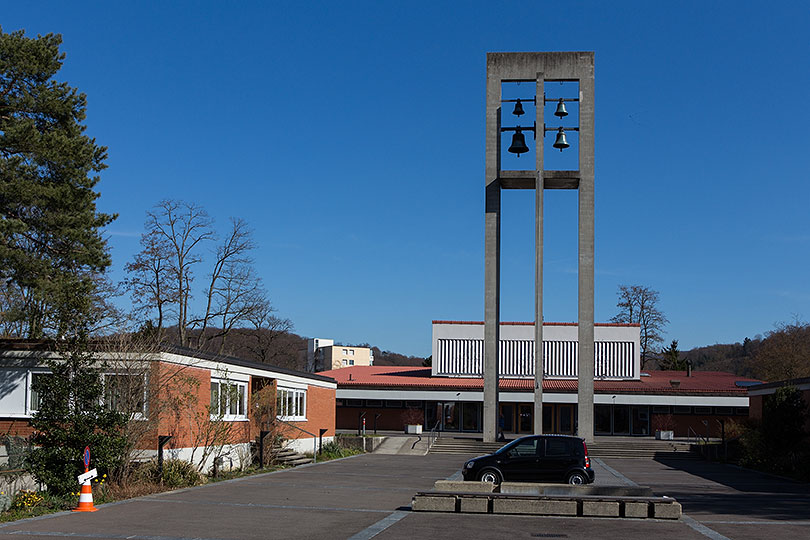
(350, 135)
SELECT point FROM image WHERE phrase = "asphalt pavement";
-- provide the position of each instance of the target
(369, 496)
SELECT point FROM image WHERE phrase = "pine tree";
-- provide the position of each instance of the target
(51, 252)
(50, 240)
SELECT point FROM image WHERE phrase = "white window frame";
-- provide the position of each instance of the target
(292, 404)
(29, 394)
(228, 415)
(135, 415)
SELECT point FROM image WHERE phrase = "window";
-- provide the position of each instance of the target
(660, 409)
(394, 403)
(724, 410)
(125, 393)
(558, 447)
(228, 400)
(682, 409)
(374, 403)
(291, 404)
(524, 448)
(351, 362)
(703, 410)
(354, 402)
(36, 392)
(743, 411)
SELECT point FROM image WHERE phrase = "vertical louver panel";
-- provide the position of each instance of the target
(465, 358)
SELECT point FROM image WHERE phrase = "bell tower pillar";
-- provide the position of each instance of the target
(538, 68)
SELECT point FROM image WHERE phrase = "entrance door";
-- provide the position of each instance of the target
(507, 415)
(565, 419)
(525, 418)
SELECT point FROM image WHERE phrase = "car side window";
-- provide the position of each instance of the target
(558, 447)
(524, 449)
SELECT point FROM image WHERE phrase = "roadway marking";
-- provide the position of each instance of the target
(277, 506)
(107, 535)
(702, 529)
(380, 526)
(781, 523)
(694, 524)
(615, 473)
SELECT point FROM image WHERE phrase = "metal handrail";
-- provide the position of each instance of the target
(314, 438)
(691, 432)
(434, 434)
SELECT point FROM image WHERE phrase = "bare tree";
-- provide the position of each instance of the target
(784, 353)
(149, 281)
(234, 292)
(174, 230)
(162, 275)
(148, 393)
(639, 305)
(265, 339)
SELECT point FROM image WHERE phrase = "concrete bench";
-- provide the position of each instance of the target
(638, 507)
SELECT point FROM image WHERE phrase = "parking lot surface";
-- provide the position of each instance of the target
(369, 496)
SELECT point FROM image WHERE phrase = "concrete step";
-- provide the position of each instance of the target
(289, 457)
(620, 448)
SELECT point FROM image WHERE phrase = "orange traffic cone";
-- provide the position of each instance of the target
(86, 499)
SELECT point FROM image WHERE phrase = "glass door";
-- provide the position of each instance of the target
(525, 418)
(565, 419)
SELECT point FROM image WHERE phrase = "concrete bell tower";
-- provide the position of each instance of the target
(539, 68)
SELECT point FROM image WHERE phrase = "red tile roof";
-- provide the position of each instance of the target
(523, 323)
(658, 382)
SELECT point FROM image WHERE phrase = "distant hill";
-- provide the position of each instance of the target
(734, 358)
(279, 348)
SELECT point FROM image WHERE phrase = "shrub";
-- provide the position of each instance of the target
(334, 450)
(176, 473)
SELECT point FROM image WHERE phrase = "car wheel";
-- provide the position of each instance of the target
(490, 475)
(576, 478)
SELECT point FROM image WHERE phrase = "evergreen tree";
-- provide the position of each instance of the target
(51, 253)
(71, 416)
(50, 241)
(671, 359)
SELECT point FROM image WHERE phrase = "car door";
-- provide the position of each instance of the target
(557, 460)
(520, 462)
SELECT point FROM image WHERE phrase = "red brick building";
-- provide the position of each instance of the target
(194, 396)
(448, 395)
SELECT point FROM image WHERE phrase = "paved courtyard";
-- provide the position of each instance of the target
(368, 496)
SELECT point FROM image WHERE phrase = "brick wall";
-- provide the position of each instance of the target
(320, 414)
(389, 420)
(16, 427)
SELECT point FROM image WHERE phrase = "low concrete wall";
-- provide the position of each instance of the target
(526, 488)
(366, 444)
(13, 481)
(560, 505)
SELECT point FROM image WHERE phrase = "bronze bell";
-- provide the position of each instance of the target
(560, 143)
(560, 109)
(518, 108)
(518, 143)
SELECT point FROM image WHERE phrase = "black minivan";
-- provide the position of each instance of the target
(536, 458)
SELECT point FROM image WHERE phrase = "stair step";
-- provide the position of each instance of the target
(616, 449)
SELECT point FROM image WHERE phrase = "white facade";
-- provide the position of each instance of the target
(313, 344)
(458, 350)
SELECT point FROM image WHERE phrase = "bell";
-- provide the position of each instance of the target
(518, 108)
(560, 109)
(560, 143)
(518, 143)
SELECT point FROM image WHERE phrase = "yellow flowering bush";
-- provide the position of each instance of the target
(26, 499)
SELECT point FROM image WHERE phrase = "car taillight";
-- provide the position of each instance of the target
(587, 459)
